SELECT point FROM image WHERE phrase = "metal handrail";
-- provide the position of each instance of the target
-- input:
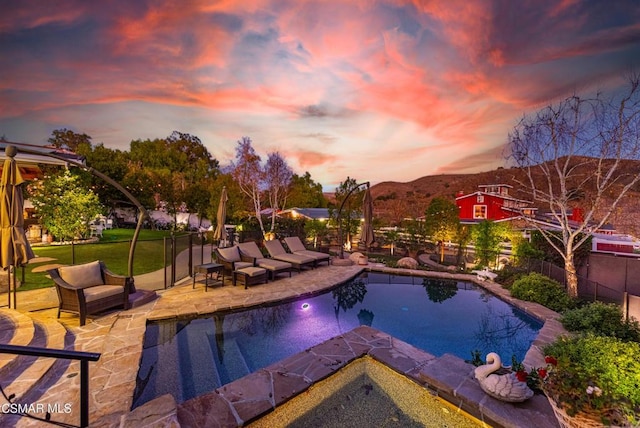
(83, 357)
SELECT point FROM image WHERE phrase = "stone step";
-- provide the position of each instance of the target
(18, 329)
(196, 360)
(235, 364)
(24, 374)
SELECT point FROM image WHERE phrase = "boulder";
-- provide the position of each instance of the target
(407, 263)
(355, 257)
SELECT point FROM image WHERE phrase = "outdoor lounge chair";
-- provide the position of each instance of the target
(274, 267)
(89, 288)
(277, 251)
(239, 267)
(297, 247)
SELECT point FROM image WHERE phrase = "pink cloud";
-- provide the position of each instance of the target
(308, 159)
(418, 75)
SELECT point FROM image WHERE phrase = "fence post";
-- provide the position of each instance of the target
(73, 253)
(173, 259)
(191, 254)
(202, 236)
(164, 260)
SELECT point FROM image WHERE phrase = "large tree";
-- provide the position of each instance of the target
(305, 193)
(111, 162)
(442, 221)
(67, 139)
(277, 179)
(348, 194)
(64, 207)
(177, 169)
(487, 237)
(575, 154)
(247, 171)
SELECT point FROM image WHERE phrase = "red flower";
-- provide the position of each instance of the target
(542, 373)
(550, 360)
(521, 375)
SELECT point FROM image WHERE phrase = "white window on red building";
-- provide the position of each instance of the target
(480, 211)
(480, 199)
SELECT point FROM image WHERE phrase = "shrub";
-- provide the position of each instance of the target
(601, 319)
(540, 289)
(507, 276)
(596, 375)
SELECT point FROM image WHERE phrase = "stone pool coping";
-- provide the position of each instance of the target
(247, 399)
(450, 377)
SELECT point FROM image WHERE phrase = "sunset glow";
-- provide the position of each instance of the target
(377, 90)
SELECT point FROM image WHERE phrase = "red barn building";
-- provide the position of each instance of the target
(492, 202)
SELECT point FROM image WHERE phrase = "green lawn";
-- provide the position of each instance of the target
(113, 249)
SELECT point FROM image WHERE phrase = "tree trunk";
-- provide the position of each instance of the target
(571, 275)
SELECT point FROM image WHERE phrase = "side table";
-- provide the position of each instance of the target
(208, 269)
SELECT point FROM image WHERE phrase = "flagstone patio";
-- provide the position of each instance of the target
(118, 337)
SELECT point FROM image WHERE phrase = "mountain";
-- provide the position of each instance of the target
(394, 201)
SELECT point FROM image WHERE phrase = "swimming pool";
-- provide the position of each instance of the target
(190, 357)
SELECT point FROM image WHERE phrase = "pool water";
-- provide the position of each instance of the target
(188, 358)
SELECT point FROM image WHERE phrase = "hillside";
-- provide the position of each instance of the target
(394, 201)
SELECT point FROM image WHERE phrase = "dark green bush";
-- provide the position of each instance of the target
(608, 363)
(601, 319)
(535, 287)
(507, 276)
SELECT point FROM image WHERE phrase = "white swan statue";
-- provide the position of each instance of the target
(505, 387)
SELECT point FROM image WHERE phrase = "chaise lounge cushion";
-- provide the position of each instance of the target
(297, 247)
(277, 251)
(82, 276)
(232, 254)
(251, 249)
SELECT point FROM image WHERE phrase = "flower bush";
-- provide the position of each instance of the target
(595, 375)
(536, 377)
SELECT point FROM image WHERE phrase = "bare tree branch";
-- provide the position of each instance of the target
(574, 155)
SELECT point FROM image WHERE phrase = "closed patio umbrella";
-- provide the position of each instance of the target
(221, 233)
(15, 250)
(366, 234)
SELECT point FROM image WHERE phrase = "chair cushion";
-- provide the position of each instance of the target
(295, 258)
(82, 276)
(99, 292)
(295, 244)
(231, 254)
(252, 271)
(271, 264)
(251, 249)
(274, 247)
(317, 255)
(242, 265)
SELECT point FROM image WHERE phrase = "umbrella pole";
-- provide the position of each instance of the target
(9, 288)
(15, 297)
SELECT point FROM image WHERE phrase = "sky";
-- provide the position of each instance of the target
(376, 90)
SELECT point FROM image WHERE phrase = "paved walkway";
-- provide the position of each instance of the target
(118, 337)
